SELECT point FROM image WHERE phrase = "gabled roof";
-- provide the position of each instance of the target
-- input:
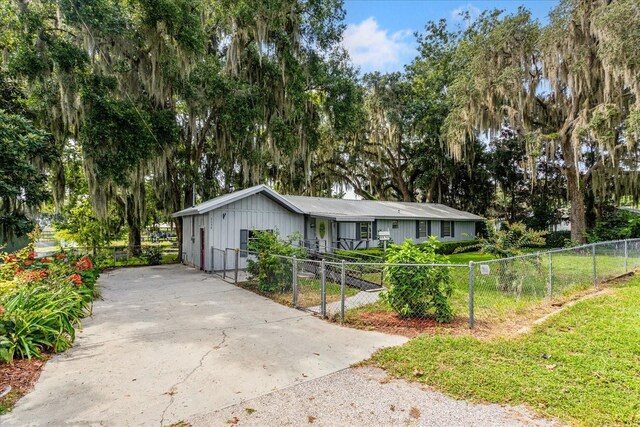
(338, 209)
(226, 199)
(364, 210)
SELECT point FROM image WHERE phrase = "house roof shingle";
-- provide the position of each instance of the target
(339, 209)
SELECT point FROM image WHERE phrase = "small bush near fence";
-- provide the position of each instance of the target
(152, 255)
(558, 239)
(415, 292)
(42, 302)
(272, 271)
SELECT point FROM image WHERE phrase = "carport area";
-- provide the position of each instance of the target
(167, 343)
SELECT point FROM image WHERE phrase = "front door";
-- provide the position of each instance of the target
(322, 234)
(202, 249)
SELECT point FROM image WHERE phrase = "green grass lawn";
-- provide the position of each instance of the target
(516, 287)
(464, 258)
(582, 365)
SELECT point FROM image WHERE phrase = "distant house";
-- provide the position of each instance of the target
(326, 224)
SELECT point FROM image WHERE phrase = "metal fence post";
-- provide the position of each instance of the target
(235, 279)
(550, 288)
(343, 282)
(595, 274)
(471, 285)
(323, 289)
(224, 264)
(626, 256)
(294, 272)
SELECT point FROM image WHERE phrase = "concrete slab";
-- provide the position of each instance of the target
(368, 397)
(167, 343)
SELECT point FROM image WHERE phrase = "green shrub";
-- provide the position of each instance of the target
(42, 301)
(615, 224)
(273, 271)
(41, 317)
(152, 255)
(415, 291)
(366, 255)
(558, 239)
(510, 240)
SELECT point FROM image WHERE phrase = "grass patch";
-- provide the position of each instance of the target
(580, 366)
(7, 402)
(464, 258)
(308, 292)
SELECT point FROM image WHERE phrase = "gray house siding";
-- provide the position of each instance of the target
(463, 230)
(191, 239)
(347, 230)
(256, 212)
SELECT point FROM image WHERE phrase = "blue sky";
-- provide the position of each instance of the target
(379, 34)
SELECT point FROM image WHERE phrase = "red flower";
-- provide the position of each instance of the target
(45, 260)
(61, 256)
(31, 255)
(76, 279)
(28, 262)
(18, 271)
(1, 309)
(10, 258)
(84, 263)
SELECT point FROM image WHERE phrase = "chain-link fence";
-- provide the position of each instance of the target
(375, 293)
(506, 287)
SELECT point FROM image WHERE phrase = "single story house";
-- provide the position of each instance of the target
(326, 224)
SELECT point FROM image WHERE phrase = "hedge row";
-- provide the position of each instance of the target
(444, 248)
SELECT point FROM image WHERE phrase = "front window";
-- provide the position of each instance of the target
(447, 227)
(365, 231)
(422, 229)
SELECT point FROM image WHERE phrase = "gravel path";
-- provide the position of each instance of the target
(365, 397)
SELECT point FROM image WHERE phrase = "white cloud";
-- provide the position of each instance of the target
(374, 49)
(457, 14)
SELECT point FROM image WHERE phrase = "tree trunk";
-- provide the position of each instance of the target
(576, 198)
(134, 223)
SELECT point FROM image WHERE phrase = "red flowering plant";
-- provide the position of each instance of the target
(75, 279)
(86, 269)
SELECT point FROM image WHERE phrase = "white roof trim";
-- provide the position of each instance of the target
(229, 198)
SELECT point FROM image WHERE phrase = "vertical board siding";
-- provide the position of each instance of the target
(464, 230)
(256, 212)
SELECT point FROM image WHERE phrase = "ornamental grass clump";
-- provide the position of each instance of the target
(417, 290)
(42, 302)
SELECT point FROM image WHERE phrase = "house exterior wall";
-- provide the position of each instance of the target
(463, 230)
(256, 212)
(191, 226)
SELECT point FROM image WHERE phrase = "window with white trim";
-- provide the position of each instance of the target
(365, 231)
(447, 229)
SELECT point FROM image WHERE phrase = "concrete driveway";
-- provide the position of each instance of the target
(167, 343)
